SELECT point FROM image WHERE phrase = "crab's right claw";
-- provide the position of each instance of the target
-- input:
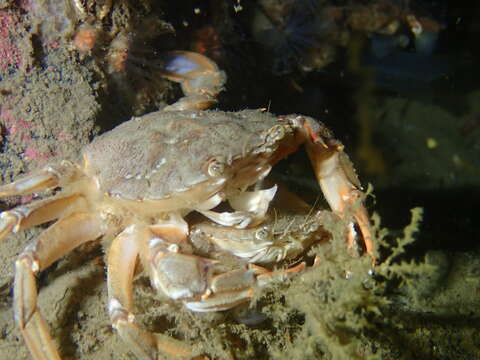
(200, 78)
(338, 180)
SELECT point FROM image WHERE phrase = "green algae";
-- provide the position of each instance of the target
(335, 310)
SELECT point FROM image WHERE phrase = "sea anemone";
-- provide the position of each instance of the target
(299, 28)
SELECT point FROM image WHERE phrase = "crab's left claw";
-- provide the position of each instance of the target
(337, 177)
(200, 78)
(250, 209)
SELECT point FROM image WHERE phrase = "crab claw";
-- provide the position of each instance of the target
(250, 209)
(200, 78)
(336, 176)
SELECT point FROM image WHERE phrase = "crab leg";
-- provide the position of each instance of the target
(23, 217)
(237, 286)
(200, 78)
(122, 258)
(225, 291)
(46, 178)
(265, 277)
(52, 244)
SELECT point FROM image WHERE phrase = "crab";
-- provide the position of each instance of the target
(134, 186)
(290, 228)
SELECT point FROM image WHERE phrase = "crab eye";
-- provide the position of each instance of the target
(276, 133)
(262, 234)
(215, 168)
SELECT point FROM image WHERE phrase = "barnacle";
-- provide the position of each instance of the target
(124, 43)
(85, 38)
(135, 63)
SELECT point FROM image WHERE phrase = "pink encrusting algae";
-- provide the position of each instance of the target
(20, 131)
(17, 129)
(10, 54)
(33, 154)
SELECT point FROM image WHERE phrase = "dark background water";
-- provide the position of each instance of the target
(404, 96)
